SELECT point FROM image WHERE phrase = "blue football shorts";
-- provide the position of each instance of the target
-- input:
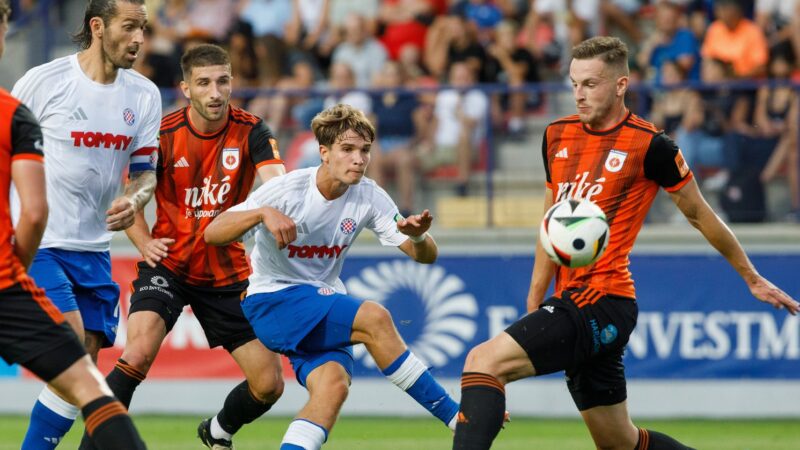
(80, 281)
(310, 325)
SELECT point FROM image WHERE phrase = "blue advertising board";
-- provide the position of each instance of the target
(697, 319)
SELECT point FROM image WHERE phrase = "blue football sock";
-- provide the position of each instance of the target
(291, 447)
(51, 419)
(409, 374)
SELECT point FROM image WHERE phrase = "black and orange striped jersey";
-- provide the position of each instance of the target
(21, 139)
(199, 176)
(620, 169)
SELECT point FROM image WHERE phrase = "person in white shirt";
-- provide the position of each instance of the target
(296, 302)
(99, 119)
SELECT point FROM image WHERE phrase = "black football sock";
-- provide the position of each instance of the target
(653, 440)
(480, 417)
(109, 426)
(122, 380)
(241, 407)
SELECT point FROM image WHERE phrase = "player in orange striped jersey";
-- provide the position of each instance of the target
(209, 154)
(619, 161)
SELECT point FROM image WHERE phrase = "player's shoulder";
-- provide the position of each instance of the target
(640, 124)
(173, 121)
(140, 81)
(244, 117)
(49, 73)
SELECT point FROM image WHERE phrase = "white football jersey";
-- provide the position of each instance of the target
(92, 133)
(325, 230)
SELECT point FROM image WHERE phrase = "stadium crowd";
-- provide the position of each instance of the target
(292, 58)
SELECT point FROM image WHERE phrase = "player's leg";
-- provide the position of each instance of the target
(52, 416)
(33, 333)
(372, 325)
(327, 377)
(219, 311)
(612, 429)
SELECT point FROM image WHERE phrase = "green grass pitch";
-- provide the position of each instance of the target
(178, 433)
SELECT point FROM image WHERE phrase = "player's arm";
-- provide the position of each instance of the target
(269, 171)
(697, 211)
(543, 267)
(232, 224)
(27, 174)
(138, 191)
(416, 228)
(153, 250)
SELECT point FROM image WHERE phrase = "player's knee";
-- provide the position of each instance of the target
(138, 358)
(267, 388)
(375, 318)
(615, 440)
(337, 391)
(482, 359)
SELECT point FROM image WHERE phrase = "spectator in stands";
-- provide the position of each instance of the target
(398, 118)
(340, 10)
(268, 19)
(734, 39)
(342, 83)
(457, 127)
(405, 22)
(213, 17)
(482, 16)
(308, 30)
(450, 41)
(544, 33)
(513, 66)
(302, 75)
(701, 135)
(670, 105)
(672, 42)
(361, 51)
(776, 116)
(244, 64)
(780, 21)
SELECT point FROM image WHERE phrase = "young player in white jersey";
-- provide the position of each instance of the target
(98, 119)
(296, 302)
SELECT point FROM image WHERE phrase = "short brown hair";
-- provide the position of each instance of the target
(331, 124)
(5, 10)
(610, 50)
(203, 55)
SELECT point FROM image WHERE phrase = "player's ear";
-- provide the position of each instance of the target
(97, 26)
(323, 153)
(622, 85)
(185, 89)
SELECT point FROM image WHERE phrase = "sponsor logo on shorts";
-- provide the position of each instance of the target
(549, 308)
(609, 334)
(325, 291)
(595, 336)
(158, 283)
(158, 280)
(348, 226)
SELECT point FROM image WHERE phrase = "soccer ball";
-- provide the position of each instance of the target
(574, 233)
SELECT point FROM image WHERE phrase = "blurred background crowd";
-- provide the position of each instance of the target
(461, 90)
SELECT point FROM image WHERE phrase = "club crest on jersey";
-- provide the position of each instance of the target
(348, 226)
(615, 160)
(230, 158)
(128, 116)
(325, 291)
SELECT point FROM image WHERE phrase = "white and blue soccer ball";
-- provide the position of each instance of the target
(574, 233)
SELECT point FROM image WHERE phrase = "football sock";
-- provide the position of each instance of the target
(483, 406)
(216, 430)
(409, 374)
(304, 434)
(122, 380)
(241, 407)
(109, 426)
(51, 419)
(653, 440)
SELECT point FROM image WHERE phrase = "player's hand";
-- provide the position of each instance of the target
(415, 224)
(121, 215)
(155, 250)
(280, 225)
(767, 292)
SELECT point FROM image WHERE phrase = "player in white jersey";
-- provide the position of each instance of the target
(296, 302)
(99, 119)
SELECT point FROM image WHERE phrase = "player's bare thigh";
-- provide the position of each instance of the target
(501, 357)
(328, 386)
(92, 340)
(611, 426)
